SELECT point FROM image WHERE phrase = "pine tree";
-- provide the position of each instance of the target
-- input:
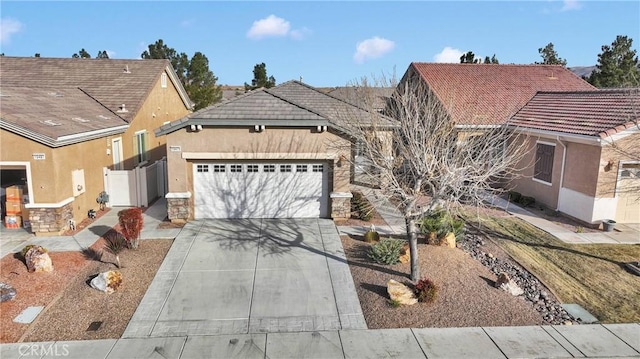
(617, 66)
(82, 54)
(260, 78)
(550, 56)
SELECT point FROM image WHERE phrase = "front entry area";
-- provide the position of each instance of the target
(261, 190)
(250, 276)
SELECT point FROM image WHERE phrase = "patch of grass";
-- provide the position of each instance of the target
(394, 303)
(591, 275)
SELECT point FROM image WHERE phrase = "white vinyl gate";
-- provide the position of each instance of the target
(260, 190)
(137, 187)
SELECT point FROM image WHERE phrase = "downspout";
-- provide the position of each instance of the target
(564, 158)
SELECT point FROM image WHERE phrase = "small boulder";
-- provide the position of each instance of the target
(38, 260)
(7, 292)
(405, 255)
(401, 293)
(507, 284)
(449, 240)
(107, 282)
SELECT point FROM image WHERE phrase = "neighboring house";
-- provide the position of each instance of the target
(489, 94)
(270, 153)
(584, 157)
(374, 99)
(63, 121)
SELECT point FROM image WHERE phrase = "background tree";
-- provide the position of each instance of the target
(550, 56)
(260, 78)
(82, 54)
(195, 75)
(37, 54)
(102, 55)
(201, 83)
(492, 60)
(469, 58)
(617, 65)
(433, 166)
(179, 61)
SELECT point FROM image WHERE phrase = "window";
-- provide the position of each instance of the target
(252, 168)
(301, 168)
(219, 168)
(269, 168)
(140, 146)
(543, 169)
(163, 80)
(235, 168)
(285, 168)
(317, 168)
(202, 168)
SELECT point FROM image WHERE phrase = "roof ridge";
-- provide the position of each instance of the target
(101, 104)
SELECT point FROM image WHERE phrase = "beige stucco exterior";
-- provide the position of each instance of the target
(585, 187)
(186, 148)
(52, 199)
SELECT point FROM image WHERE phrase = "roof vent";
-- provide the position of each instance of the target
(80, 119)
(126, 69)
(55, 94)
(51, 123)
(103, 117)
(552, 76)
(122, 109)
(4, 95)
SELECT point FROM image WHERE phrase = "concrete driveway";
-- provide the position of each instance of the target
(250, 276)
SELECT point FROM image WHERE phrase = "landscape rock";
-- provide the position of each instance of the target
(7, 292)
(449, 240)
(401, 293)
(38, 260)
(405, 256)
(107, 282)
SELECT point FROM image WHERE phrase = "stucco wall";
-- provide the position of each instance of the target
(627, 149)
(245, 144)
(581, 168)
(162, 105)
(51, 178)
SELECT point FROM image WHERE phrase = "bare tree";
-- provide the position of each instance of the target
(425, 162)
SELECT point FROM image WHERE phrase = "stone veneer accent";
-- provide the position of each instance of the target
(45, 221)
(341, 207)
(178, 209)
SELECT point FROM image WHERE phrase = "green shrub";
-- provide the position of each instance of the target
(441, 223)
(371, 236)
(426, 291)
(387, 251)
(514, 196)
(361, 207)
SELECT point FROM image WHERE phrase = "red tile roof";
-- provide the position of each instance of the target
(489, 94)
(591, 113)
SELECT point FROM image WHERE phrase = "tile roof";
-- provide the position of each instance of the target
(377, 97)
(489, 94)
(591, 113)
(56, 117)
(289, 104)
(112, 82)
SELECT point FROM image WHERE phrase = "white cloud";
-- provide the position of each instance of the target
(267, 27)
(8, 27)
(111, 53)
(299, 34)
(448, 55)
(187, 23)
(569, 5)
(372, 48)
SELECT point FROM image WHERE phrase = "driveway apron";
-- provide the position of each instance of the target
(250, 276)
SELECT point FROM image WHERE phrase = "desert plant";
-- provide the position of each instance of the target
(362, 209)
(441, 223)
(372, 236)
(426, 291)
(514, 196)
(115, 243)
(387, 251)
(395, 303)
(527, 201)
(131, 223)
(29, 246)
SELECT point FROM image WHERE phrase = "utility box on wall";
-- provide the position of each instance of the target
(77, 178)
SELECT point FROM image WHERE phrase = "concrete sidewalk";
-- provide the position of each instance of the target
(583, 341)
(13, 240)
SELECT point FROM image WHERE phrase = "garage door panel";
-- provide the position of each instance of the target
(245, 190)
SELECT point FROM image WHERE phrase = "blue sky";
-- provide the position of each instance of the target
(327, 43)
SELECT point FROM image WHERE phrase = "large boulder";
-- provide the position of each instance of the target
(38, 260)
(107, 282)
(507, 284)
(400, 293)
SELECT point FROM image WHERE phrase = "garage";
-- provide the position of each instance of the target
(260, 189)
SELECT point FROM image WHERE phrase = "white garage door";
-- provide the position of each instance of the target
(260, 190)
